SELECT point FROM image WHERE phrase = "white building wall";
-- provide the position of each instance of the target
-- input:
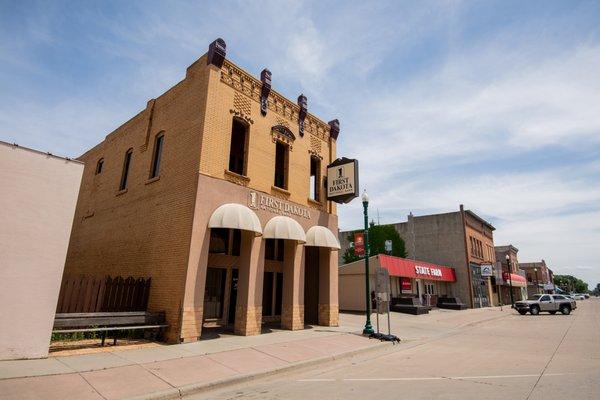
(38, 193)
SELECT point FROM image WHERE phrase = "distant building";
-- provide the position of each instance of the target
(540, 278)
(38, 193)
(461, 240)
(502, 281)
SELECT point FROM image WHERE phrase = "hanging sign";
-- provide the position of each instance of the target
(359, 244)
(342, 180)
(487, 270)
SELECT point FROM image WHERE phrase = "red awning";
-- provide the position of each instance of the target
(397, 266)
(515, 280)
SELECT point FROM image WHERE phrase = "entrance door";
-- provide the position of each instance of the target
(214, 293)
(311, 286)
(480, 292)
(233, 295)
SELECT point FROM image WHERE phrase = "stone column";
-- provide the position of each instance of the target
(292, 313)
(328, 287)
(248, 310)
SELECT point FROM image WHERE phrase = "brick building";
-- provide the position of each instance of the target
(539, 277)
(502, 281)
(215, 191)
(461, 240)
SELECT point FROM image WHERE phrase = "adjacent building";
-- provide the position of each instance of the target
(461, 240)
(508, 275)
(37, 203)
(407, 278)
(216, 191)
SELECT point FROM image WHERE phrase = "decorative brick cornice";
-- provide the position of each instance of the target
(236, 178)
(243, 82)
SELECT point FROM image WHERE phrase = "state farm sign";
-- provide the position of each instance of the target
(427, 271)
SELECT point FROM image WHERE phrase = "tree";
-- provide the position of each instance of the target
(378, 234)
(569, 283)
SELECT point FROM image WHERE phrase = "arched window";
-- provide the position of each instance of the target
(156, 156)
(126, 165)
(99, 166)
(239, 147)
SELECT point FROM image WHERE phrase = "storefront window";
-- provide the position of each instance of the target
(219, 241)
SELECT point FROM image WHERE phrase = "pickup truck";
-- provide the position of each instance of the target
(551, 303)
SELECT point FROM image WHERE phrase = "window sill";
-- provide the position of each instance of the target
(120, 192)
(152, 180)
(277, 191)
(238, 179)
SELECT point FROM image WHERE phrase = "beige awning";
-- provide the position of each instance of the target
(321, 237)
(281, 227)
(235, 216)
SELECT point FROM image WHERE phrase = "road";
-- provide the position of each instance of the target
(511, 357)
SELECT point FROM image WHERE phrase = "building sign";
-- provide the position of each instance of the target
(388, 246)
(427, 271)
(359, 244)
(405, 285)
(274, 205)
(342, 180)
(487, 270)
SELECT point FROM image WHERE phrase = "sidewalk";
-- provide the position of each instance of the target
(172, 370)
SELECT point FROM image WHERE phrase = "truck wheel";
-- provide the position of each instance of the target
(552, 312)
(522, 312)
(534, 310)
(565, 310)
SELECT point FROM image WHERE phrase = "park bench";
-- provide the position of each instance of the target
(408, 305)
(451, 303)
(109, 322)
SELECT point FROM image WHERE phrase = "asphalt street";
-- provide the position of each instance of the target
(510, 357)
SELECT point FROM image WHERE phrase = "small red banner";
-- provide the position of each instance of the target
(359, 244)
(405, 284)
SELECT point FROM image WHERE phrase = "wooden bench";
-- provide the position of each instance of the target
(108, 321)
(408, 305)
(451, 303)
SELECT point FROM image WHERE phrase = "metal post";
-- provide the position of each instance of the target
(368, 330)
(512, 300)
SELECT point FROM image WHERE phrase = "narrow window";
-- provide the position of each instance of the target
(158, 145)
(99, 166)
(315, 169)
(126, 165)
(237, 150)
(281, 161)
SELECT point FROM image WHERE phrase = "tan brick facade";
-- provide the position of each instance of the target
(158, 227)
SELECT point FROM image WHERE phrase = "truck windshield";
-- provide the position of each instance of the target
(535, 297)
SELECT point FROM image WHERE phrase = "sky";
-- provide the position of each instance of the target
(494, 105)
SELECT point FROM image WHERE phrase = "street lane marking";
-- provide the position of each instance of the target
(431, 378)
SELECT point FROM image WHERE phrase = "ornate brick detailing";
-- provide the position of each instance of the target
(247, 320)
(283, 134)
(280, 193)
(317, 205)
(292, 317)
(328, 315)
(243, 82)
(315, 146)
(334, 128)
(241, 103)
(236, 178)
(283, 122)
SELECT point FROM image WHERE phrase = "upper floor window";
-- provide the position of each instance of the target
(99, 166)
(281, 165)
(238, 148)
(315, 178)
(126, 165)
(156, 156)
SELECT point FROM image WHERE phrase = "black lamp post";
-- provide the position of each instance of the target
(368, 327)
(512, 300)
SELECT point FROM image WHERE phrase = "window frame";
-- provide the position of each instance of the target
(246, 126)
(317, 175)
(126, 167)
(286, 162)
(155, 164)
(99, 166)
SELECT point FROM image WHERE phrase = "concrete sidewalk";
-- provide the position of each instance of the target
(170, 371)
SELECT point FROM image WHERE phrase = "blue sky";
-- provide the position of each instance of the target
(495, 105)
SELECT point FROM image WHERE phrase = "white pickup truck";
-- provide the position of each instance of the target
(551, 303)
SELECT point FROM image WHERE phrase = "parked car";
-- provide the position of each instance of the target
(586, 295)
(578, 296)
(551, 303)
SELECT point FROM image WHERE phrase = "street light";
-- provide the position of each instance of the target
(512, 300)
(537, 285)
(368, 327)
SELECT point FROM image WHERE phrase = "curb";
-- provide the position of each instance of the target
(193, 388)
